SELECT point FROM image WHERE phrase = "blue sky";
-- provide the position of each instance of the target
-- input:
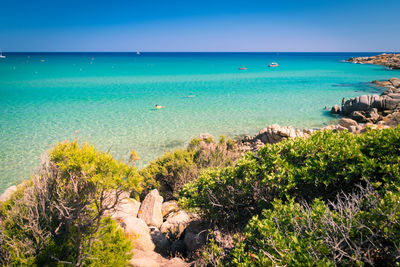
(204, 25)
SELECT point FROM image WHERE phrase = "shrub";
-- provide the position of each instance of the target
(356, 229)
(57, 217)
(318, 167)
(174, 169)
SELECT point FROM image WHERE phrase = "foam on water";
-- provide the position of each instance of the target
(110, 98)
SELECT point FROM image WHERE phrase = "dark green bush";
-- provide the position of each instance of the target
(174, 169)
(318, 167)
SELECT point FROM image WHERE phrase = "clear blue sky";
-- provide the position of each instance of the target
(202, 25)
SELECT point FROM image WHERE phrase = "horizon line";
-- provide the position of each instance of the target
(200, 51)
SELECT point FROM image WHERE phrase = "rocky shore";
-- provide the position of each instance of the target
(391, 61)
(357, 114)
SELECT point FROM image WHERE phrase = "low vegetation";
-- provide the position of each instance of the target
(58, 217)
(170, 172)
(296, 202)
(331, 199)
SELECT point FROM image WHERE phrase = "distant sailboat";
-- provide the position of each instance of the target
(137, 53)
(1, 55)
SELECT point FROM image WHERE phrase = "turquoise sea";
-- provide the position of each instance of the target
(109, 99)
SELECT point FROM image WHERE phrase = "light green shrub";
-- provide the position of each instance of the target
(58, 217)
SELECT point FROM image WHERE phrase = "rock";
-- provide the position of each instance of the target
(395, 82)
(394, 95)
(195, 235)
(176, 262)
(329, 127)
(160, 241)
(392, 103)
(143, 262)
(389, 60)
(127, 207)
(392, 119)
(246, 138)
(346, 122)
(8, 193)
(178, 248)
(372, 115)
(205, 136)
(275, 133)
(340, 128)
(335, 109)
(139, 233)
(358, 116)
(175, 224)
(150, 210)
(168, 207)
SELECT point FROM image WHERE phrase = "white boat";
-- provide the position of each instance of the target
(1, 55)
(137, 53)
(273, 65)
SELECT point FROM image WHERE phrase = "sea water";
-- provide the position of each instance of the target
(108, 99)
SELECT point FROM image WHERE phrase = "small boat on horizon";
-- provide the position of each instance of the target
(273, 65)
(243, 68)
(137, 53)
(1, 55)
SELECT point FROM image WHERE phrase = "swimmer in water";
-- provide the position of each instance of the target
(158, 107)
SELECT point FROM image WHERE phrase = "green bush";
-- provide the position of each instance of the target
(58, 217)
(318, 167)
(112, 248)
(356, 229)
(174, 169)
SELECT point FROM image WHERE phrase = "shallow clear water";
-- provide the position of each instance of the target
(109, 98)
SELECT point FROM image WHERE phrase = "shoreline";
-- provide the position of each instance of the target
(391, 61)
(273, 133)
(355, 115)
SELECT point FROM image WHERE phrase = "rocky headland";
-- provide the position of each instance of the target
(391, 61)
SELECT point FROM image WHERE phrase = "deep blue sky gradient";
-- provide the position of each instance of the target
(203, 25)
